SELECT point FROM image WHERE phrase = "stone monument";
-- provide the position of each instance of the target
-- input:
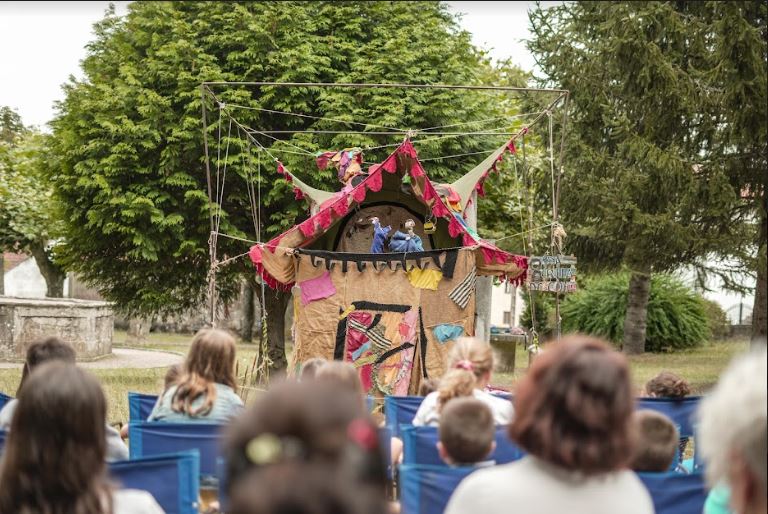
(86, 325)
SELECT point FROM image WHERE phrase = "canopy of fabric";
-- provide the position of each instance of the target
(274, 259)
(473, 180)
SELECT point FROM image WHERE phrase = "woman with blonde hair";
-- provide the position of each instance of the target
(205, 392)
(470, 364)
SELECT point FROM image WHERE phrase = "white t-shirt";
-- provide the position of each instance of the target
(428, 414)
(533, 486)
(133, 501)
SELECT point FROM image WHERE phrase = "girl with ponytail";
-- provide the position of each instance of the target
(470, 364)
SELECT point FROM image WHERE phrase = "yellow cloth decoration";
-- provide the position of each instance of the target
(425, 278)
(346, 312)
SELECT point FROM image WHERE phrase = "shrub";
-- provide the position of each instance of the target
(717, 320)
(676, 317)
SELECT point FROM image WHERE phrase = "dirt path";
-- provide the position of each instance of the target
(122, 358)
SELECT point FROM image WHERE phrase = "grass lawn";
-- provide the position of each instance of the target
(701, 367)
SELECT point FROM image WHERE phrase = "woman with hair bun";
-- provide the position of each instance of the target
(470, 364)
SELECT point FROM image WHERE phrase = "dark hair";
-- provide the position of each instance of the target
(293, 488)
(210, 361)
(657, 441)
(309, 367)
(668, 385)
(295, 428)
(48, 349)
(466, 430)
(428, 385)
(574, 406)
(54, 455)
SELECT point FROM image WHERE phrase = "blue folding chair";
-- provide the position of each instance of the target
(3, 437)
(4, 398)
(676, 493)
(426, 489)
(400, 410)
(173, 479)
(140, 406)
(420, 446)
(151, 438)
(385, 443)
(681, 411)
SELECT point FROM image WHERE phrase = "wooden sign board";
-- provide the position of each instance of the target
(553, 273)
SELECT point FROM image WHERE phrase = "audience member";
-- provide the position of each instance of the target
(573, 416)
(305, 448)
(467, 433)
(428, 385)
(53, 349)
(310, 367)
(470, 363)
(205, 392)
(667, 385)
(343, 374)
(733, 433)
(657, 441)
(62, 470)
(172, 375)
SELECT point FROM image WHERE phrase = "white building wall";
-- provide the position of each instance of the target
(501, 303)
(25, 281)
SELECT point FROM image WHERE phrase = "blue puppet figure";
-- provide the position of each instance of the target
(379, 235)
(408, 242)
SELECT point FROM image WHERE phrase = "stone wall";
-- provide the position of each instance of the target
(86, 325)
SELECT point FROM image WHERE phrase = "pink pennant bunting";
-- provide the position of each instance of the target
(374, 181)
(298, 193)
(390, 164)
(340, 207)
(308, 227)
(511, 147)
(439, 209)
(467, 239)
(324, 218)
(480, 188)
(255, 254)
(358, 193)
(454, 227)
(416, 170)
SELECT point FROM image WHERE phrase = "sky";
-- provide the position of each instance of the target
(44, 42)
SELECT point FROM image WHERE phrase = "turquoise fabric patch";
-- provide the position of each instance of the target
(447, 332)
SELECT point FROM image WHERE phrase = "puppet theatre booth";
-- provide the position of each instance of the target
(383, 272)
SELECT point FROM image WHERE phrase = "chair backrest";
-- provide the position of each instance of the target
(676, 493)
(3, 437)
(140, 406)
(400, 410)
(426, 489)
(173, 479)
(4, 398)
(681, 411)
(152, 438)
(420, 446)
(385, 437)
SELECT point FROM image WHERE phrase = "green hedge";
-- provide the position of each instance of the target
(676, 319)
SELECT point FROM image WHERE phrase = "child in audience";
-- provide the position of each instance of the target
(205, 392)
(573, 415)
(53, 349)
(428, 385)
(305, 448)
(62, 470)
(310, 367)
(343, 374)
(470, 363)
(467, 433)
(657, 441)
(667, 385)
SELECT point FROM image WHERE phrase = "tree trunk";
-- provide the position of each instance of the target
(53, 274)
(246, 324)
(637, 310)
(276, 303)
(759, 308)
